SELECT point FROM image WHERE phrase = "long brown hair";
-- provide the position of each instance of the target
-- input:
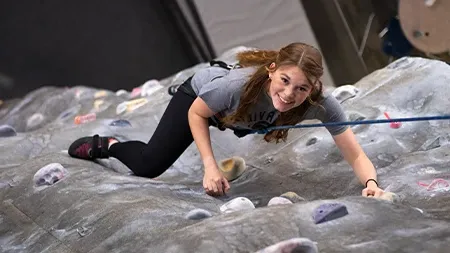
(306, 57)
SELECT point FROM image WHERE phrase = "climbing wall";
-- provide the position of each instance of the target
(300, 194)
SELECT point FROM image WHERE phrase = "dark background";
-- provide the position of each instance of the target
(110, 44)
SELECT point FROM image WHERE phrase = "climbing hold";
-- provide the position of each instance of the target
(237, 204)
(438, 183)
(278, 201)
(394, 125)
(311, 141)
(328, 212)
(78, 93)
(82, 231)
(7, 131)
(198, 214)
(150, 87)
(345, 92)
(100, 94)
(85, 118)
(129, 106)
(100, 105)
(389, 196)
(292, 196)
(232, 168)
(121, 92)
(35, 120)
(136, 92)
(69, 112)
(120, 123)
(49, 174)
(294, 245)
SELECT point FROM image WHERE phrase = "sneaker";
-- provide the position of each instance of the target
(90, 148)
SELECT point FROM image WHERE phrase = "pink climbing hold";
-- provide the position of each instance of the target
(85, 118)
(394, 125)
(136, 92)
(436, 183)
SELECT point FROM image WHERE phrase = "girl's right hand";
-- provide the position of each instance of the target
(214, 183)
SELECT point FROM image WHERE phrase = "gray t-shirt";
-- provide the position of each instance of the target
(221, 90)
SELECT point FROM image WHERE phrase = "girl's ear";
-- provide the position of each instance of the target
(271, 66)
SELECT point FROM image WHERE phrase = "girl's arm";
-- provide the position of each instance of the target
(355, 156)
(213, 182)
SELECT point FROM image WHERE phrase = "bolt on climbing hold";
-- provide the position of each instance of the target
(394, 125)
(237, 204)
(129, 106)
(85, 118)
(120, 123)
(328, 212)
(136, 92)
(49, 174)
(100, 94)
(439, 182)
(150, 87)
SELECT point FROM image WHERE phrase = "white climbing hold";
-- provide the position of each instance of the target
(150, 87)
(35, 120)
(278, 201)
(49, 174)
(300, 244)
(237, 204)
(344, 92)
(121, 92)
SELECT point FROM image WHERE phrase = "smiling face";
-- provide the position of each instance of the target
(288, 87)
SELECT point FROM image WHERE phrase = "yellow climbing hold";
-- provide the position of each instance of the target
(100, 94)
(232, 168)
(292, 196)
(97, 104)
(131, 105)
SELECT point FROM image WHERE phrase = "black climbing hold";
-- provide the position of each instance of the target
(120, 123)
(311, 141)
(328, 212)
(173, 89)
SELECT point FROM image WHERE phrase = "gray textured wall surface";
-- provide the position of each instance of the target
(99, 207)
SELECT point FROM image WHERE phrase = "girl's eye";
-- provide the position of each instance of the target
(301, 89)
(285, 80)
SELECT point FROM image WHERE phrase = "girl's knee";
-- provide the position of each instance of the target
(149, 171)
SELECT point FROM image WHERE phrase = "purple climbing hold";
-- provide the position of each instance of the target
(120, 123)
(328, 212)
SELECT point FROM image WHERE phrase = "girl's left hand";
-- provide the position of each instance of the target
(372, 191)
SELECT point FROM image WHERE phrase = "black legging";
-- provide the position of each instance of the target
(170, 139)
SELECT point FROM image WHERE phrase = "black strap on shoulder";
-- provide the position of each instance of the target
(221, 64)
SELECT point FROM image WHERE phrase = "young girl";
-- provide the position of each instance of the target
(266, 88)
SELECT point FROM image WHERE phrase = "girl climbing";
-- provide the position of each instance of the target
(267, 88)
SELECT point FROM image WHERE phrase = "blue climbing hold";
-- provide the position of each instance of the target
(120, 123)
(328, 212)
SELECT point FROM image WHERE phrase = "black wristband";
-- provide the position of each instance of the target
(371, 180)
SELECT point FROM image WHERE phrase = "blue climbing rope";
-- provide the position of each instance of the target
(349, 123)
